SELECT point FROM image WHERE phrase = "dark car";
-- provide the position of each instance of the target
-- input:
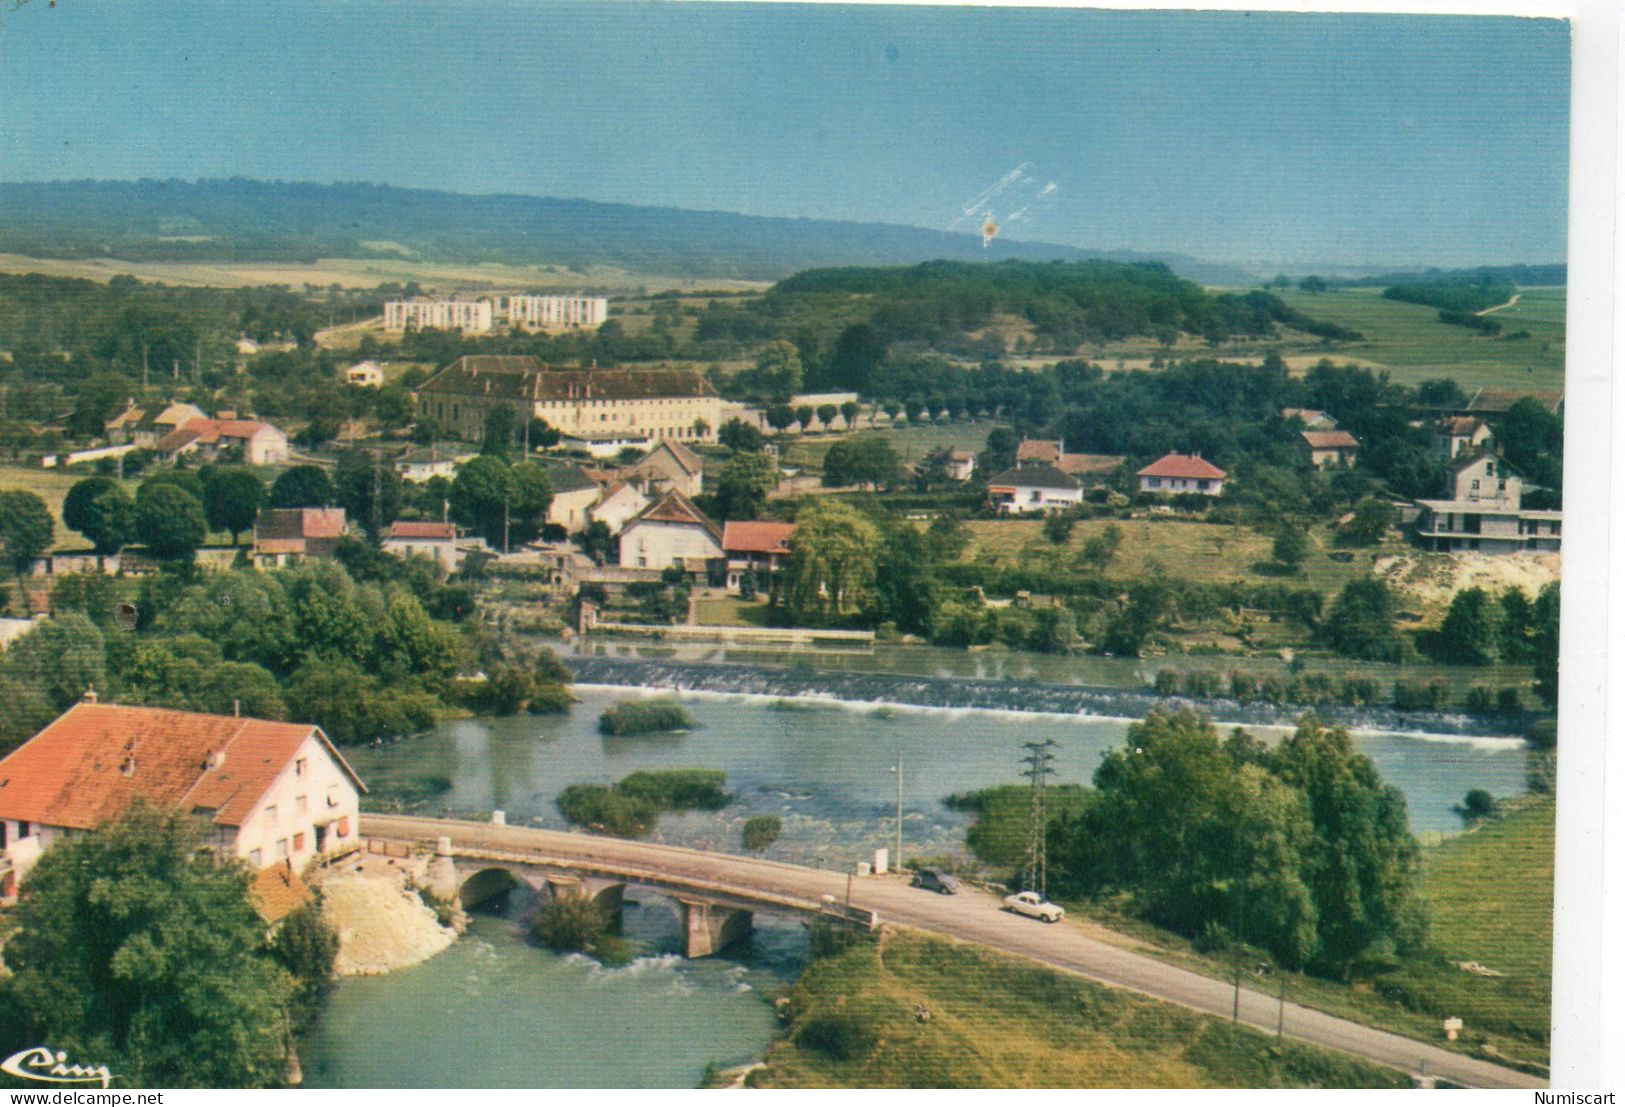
(935, 880)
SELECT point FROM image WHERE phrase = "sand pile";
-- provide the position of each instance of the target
(1432, 580)
(381, 923)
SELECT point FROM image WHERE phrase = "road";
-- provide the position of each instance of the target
(970, 916)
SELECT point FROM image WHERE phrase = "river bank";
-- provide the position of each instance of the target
(382, 924)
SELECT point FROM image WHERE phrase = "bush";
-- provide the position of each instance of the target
(1477, 806)
(1203, 683)
(1543, 735)
(1479, 700)
(1359, 690)
(678, 789)
(842, 1035)
(1509, 700)
(1417, 696)
(601, 808)
(644, 717)
(1243, 687)
(1167, 682)
(572, 924)
(760, 831)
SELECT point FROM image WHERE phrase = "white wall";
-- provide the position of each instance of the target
(323, 778)
(657, 545)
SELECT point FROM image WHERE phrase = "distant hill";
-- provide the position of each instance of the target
(240, 220)
(1491, 275)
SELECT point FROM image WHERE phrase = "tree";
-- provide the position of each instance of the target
(137, 948)
(232, 496)
(370, 491)
(740, 436)
(777, 374)
(1372, 518)
(505, 504)
(780, 416)
(60, 658)
(500, 424)
(1547, 614)
(1361, 622)
(743, 484)
(868, 461)
(1313, 284)
(26, 529)
(100, 509)
(1000, 453)
(826, 414)
(302, 486)
(905, 593)
(1291, 546)
(1469, 634)
(1058, 528)
(1478, 806)
(169, 522)
(830, 572)
(1517, 625)
(306, 946)
(804, 416)
(849, 413)
(858, 352)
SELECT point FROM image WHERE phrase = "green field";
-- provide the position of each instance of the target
(1000, 1022)
(1410, 342)
(911, 443)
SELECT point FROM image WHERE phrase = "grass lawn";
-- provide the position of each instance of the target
(1000, 1022)
(51, 485)
(911, 443)
(732, 612)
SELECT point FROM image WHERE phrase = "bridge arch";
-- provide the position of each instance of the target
(486, 884)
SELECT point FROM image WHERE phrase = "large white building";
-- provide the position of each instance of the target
(422, 313)
(1485, 513)
(271, 794)
(557, 313)
(638, 406)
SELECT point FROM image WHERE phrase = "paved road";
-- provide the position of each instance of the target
(971, 916)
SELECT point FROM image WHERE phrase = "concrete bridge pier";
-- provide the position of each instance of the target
(709, 928)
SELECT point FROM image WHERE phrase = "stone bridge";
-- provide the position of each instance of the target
(715, 913)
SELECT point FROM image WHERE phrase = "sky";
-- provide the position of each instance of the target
(1231, 136)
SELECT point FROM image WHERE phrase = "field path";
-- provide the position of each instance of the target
(1500, 307)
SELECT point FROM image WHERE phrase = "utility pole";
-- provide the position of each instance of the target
(897, 861)
(1039, 763)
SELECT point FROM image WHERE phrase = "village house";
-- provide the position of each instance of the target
(143, 425)
(574, 493)
(755, 547)
(366, 374)
(590, 405)
(287, 535)
(1329, 449)
(258, 442)
(275, 795)
(621, 501)
(424, 464)
(1455, 435)
(1036, 487)
(1051, 451)
(670, 467)
(961, 465)
(1176, 473)
(1485, 512)
(406, 538)
(671, 532)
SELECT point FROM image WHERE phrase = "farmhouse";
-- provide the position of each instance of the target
(424, 464)
(961, 464)
(1033, 488)
(1050, 451)
(574, 493)
(1175, 473)
(632, 406)
(621, 501)
(671, 467)
(757, 547)
(144, 425)
(1485, 512)
(260, 443)
(287, 535)
(1455, 435)
(1329, 449)
(671, 532)
(273, 794)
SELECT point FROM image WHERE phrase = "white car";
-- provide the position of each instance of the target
(1035, 906)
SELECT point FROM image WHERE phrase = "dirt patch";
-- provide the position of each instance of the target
(382, 924)
(1432, 580)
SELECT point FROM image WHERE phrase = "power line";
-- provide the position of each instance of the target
(1038, 767)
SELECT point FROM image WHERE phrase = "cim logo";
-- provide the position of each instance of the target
(47, 1067)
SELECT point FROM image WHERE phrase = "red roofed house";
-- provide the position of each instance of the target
(1329, 449)
(758, 548)
(670, 531)
(1033, 487)
(272, 794)
(260, 443)
(1176, 473)
(1052, 451)
(285, 535)
(435, 540)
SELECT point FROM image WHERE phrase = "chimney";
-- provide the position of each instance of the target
(89, 696)
(215, 759)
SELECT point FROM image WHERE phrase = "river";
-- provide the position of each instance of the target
(495, 1010)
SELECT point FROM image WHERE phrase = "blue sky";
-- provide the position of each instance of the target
(1238, 136)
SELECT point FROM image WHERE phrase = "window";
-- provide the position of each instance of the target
(281, 848)
(299, 842)
(299, 767)
(270, 815)
(254, 858)
(300, 805)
